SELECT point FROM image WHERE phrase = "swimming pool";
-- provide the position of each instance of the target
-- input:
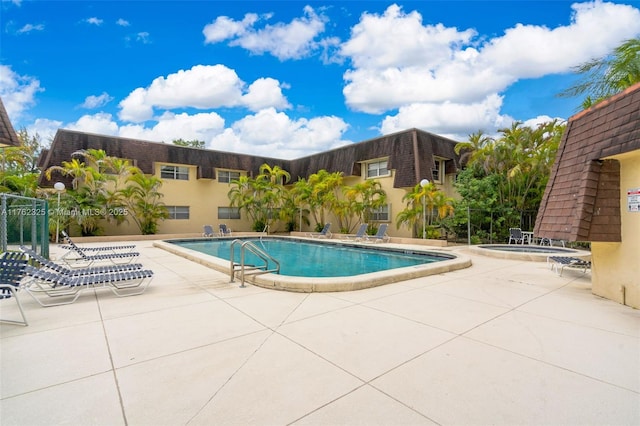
(308, 265)
(313, 259)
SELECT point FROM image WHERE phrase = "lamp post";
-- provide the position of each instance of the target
(59, 187)
(423, 184)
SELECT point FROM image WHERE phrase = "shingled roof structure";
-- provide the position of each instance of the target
(582, 198)
(8, 136)
(411, 153)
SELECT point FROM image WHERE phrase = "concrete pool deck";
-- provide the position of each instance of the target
(501, 342)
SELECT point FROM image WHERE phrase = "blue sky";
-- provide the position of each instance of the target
(288, 78)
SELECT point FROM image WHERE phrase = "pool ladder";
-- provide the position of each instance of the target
(254, 269)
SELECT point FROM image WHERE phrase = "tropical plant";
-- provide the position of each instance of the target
(362, 199)
(425, 205)
(608, 75)
(142, 198)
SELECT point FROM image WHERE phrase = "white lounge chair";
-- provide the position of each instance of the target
(207, 231)
(224, 230)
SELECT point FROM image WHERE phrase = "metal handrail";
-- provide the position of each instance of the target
(264, 256)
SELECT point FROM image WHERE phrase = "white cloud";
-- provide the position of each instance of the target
(91, 102)
(45, 128)
(94, 21)
(453, 120)
(274, 134)
(122, 22)
(224, 28)
(143, 37)
(27, 28)
(202, 87)
(293, 40)
(17, 91)
(263, 93)
(101, 123)
(400, 63)
(169, 126)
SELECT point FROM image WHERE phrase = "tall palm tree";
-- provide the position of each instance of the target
(606, 76)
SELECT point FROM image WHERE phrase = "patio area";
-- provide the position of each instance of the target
(503, 342)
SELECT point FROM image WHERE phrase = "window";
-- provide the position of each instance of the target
(226, 176)
(174, 172)
(228, 213)
(377, 168)
(178, 212)
(380, 214)
(438, 170)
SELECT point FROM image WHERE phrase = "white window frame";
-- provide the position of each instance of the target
(178, 212)
(226, 176)
(381, 214)
(228, 212)
(437, 173)
(374, 169)
(168, 171)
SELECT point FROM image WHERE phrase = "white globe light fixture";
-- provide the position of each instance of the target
(423, 184)
(59, 187)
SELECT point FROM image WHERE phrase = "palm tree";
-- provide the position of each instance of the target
(606, 76)
(142, 197)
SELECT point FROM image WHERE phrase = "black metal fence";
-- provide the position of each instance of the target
(24, 221)
(477, 226)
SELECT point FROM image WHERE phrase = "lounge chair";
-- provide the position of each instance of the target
(224, 230)
(515, 235)
(558, 263)
(12, 266)
(55, 267)
(325, 233)
(359, 235)
(78, 258)
(208, 231)
(110, 248)
(381, 235)
(63, 289)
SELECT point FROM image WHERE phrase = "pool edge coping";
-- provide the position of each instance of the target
(329, 284)
(533, 257)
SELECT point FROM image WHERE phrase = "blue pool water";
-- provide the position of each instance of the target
(308, 259)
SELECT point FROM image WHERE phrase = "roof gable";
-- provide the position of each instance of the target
(582, 198)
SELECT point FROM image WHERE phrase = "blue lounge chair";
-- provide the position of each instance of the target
(325, 233)
(558, 263)
(63, 288)
(381, 235)
(208, 231)
(111, 248)
(77, 257)
(224, 230)
(359, 235)
(12, 266)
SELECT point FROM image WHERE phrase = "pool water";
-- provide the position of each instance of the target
(308, 259)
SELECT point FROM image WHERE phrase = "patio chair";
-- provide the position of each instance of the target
(64, 289)
(381, 235)
(325, 233)
(12, 266)
(558, 263)
(208, 231)
(359, 235)
(224, 230)
(515, 235)
(77, 257)
(55, 267)
(110, 248)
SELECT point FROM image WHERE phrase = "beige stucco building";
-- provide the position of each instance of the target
(593, 193)
(196, 181)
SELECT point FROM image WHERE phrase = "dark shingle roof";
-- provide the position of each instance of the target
(582, 198)
(8, 134)
(410, 153)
